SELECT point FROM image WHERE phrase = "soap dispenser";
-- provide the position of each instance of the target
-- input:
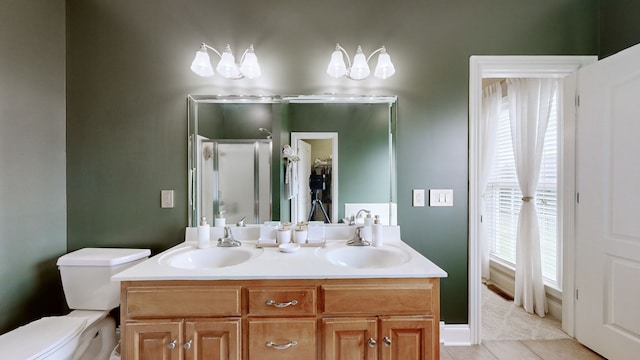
(377, 232)
(368, 220)
(367, 230)
(204, 234)
(220, 221)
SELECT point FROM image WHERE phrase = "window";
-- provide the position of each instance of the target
(503, 199)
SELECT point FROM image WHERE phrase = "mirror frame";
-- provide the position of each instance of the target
(279, 141)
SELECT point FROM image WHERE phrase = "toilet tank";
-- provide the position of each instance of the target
(86, 276)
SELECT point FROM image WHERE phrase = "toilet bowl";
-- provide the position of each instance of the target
(88, 332)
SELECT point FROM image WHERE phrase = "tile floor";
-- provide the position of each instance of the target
(562, 349)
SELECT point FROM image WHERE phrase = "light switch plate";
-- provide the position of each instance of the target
(441, 197)
(418, 197)
(166, 199)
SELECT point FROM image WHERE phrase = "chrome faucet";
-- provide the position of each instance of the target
(358, 240)
(365, 211)
(228, 240)
(241, 222)
(349, 221)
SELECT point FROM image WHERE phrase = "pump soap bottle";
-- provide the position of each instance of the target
(377, 232)
(204, 234)
(368, 220)
(219, 221)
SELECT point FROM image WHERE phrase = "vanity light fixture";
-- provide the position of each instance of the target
(227, 66)
(359, 69)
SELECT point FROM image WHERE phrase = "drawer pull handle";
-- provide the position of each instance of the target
(372, 342)
(281, 304)
(291, 343)
(386, 341)
(187, 346)
(172, 345)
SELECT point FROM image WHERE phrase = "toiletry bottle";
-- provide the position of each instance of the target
(204, 234)
(220, 221)
(367, 229)
(377, 232)
(368, 220)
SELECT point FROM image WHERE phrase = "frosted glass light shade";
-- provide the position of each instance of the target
(337, 67)
(385, 68)
(201, 64)
(227, 66)
(360, 69)
(250, 67)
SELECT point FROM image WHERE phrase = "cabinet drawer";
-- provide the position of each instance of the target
(182, 301)
(282, 339)
(282, 301)
(383, 299)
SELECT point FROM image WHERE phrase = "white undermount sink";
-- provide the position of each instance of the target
(209, 258)
(366, 257)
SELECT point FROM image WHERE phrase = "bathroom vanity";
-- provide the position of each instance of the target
(330, 302)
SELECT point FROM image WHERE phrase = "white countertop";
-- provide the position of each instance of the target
(271, 263)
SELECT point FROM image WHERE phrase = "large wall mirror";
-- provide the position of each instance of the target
(339, 155)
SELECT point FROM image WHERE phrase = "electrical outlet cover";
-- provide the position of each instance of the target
(418, 197)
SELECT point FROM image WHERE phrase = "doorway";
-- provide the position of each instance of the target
(318, 152)
(482, 67)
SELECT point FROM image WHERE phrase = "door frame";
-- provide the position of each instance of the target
(527, 67)
(333, 136)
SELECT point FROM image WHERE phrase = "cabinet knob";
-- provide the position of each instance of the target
(281, 304)
(187, 345)
(372, 342)
(172, 345)
(386, 341)
(291, 343)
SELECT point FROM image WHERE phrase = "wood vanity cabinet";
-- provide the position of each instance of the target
(396, 320)
(188, 339)
(163, 320)
(328, 319)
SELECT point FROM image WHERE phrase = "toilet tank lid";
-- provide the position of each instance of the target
(102, 256)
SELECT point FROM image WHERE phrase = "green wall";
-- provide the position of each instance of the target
(128, 79)
(32, 159)
(619, 25)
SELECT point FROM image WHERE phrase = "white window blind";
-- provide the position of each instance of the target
(503, 198)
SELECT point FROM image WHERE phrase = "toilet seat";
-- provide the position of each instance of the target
(41, 337)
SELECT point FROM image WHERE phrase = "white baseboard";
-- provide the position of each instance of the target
(455, 334)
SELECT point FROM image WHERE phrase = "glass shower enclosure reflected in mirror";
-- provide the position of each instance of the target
(230, 157)
(234, 179)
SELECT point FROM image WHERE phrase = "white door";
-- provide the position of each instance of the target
(303, 149)
(608, 210)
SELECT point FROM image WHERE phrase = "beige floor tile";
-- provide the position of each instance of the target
(510, 349)
(565, 349)
(475, 352)
(444, 354)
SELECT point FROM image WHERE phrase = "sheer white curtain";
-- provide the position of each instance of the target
(491, 102)
(529, 107)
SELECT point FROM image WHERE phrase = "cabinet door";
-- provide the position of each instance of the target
(212, 339)
(153, 340)
(350, 338)
(408, 338)
(283, 339)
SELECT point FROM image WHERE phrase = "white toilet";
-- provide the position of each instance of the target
(88, 332)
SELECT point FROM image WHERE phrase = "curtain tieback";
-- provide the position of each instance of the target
(527, 198)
